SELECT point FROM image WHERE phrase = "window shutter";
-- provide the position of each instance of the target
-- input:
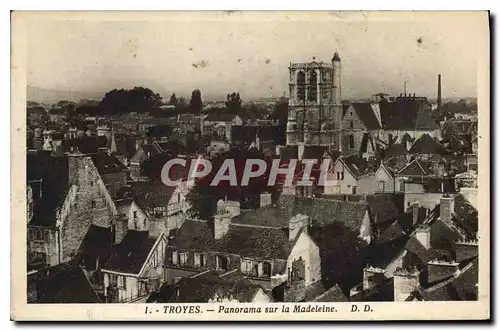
(174, 257)
(197, 259)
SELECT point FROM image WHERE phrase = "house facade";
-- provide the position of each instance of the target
(266, 256)
(135, 268)
(72, 199)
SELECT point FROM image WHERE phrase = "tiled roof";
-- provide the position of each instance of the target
(244, 133)
(149, 194)
(107, 163)
(274, 133)
(95, 247)
(159, 130)
(205, 286)
(359, 166)
(366, 115)
(392, 232)
(313, 152)
(426, 145)
(314, 290)
(382, 292)
(456, 288)
(465, 216)
(130, 254)
(289, 153)
(220, 117)
(85, 145)
(265, 216)
(333, 294)
(394, 164)
(395, 150)
(413, 169)
(324, 211)
(66, 283)
(415, 247)
(384, 253)
(255, 242)
(407, 114)
(385, 207)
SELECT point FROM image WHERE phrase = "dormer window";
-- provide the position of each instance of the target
(199, 260)
(246, 266)
(183, 257)
(175, 258)
(265, 269)
(221, 262)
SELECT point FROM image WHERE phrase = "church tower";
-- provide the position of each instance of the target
(337, 99)
(315, 104)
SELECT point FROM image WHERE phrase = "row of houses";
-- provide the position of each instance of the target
(271, 251)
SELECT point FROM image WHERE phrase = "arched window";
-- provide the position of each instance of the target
(301, 86)
(312, 94)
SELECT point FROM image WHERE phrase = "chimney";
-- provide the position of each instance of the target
(423, 235)
(415, 208)
(265, 199)
(294, 291)
(446, 208)
(405, 282)
(228, 207)
(372, 276)
(295, 224)
(221, 224)
(439, 270)
(439, 93)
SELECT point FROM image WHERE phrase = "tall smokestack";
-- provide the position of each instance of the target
(439, 93)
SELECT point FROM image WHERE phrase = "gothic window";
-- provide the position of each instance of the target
(312, 94)
(352, 124)
(301, 86)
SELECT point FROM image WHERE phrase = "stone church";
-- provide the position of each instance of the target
(315, 105)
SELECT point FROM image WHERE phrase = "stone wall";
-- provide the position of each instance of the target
(91, 206)
(42, 242)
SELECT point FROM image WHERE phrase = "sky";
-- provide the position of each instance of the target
(249, 52)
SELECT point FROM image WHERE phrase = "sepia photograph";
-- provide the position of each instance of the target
(241, 165)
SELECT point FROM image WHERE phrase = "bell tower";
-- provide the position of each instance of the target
(337, 99)
(315, 105)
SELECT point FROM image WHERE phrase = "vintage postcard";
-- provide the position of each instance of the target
(256, 166)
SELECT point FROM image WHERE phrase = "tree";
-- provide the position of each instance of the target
(181, 104)
(173, 100)
(343, 253)
(233, 101)
(280, 111)
(196, 104)
(138, 99)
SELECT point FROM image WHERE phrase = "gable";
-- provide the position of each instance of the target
(158, 253)
(382, 173)
(303, 243)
